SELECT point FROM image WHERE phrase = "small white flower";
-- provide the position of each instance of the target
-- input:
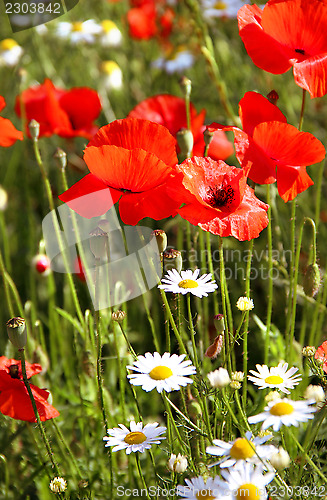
(281, 459)
(197, 489)
(238, 376)
(284, 412)
(10, 52)
(219, 378)
(58, 485)
(188, 282)
(177, 62)
(244, 304)
(224, 8)
(78, 32)
(241, 449)
(177, 464)
(276, 377)
(245, 481)
(112, 75)
(315, 392)
(3, 199)
(110, 35)
(164, 373)
(137, 438)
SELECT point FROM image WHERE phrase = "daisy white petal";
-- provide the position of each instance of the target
(246, 481)
(188, 282)
(138, 438)
(284, 412)
(278, 377)
(197, 488)
(164, 373)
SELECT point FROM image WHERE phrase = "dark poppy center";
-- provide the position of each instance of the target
(218, 197)
(13, 371)
(300, 51)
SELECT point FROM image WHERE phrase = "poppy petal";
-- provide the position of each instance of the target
(292, 181)
(141, 22)
(16, 404)
(254, 108)
(90, 197)
(8, 133)
(311, 75)
(81, 117)
(2, 103)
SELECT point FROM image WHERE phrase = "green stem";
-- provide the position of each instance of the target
(304, 93)
(270, 279)
(307, 458)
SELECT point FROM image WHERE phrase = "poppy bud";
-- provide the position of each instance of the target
(273, 97)
(175, 258)
(215, 348)
(185, 142)
(34, 128)
(98, 242)
(219, 323)
(207, 136)
(311, 280)
(16, 329)
(186, 85)
(61, 156)
(41, 264)
(161, 238)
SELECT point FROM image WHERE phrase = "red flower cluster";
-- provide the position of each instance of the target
(288, 33)
(14, 399)
(8, 132)
(68, 113)
(148, 18)
(271, 149)
(170, 111)
(321, 353)
(130, 160)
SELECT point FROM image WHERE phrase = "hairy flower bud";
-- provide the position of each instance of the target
(34, 128)
(311, 280)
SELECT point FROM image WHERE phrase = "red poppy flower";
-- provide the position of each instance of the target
(218, 199)
(321, 353)
(68, 113)
(14, 399)
(288, 33)
(129, 159)
(169, 111)
(8, 133)
(271, 148)
(147, 18)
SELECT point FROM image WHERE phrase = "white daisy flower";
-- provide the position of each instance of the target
(219, 378)
(197, 489)
(164, 373)
(212, 9)
(112, 75)
(177, 62)
(10, 52)
(241, 449)
(110, 35)
(278, 377)
(188, 281)
(245, 482)
(137, 438)
(78, 32)
(284, 412)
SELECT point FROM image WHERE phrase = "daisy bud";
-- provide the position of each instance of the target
(219, 378)
(41, 264)
(118, 316)
(3, 199)
(177, 464)
(281, 459)
(175, 258)
(315, 392)
(186, 85)
(219, 323)
(309, 351)
(161, 238)
(311, 280)
(185, 142)
(244, 304)
(238, 376)
(61, 156)
(235, 384)
(34, 128)
(215, 348)
(98, 243)
(271, 396)
(58, 485)
(273, 97)
(16, 329)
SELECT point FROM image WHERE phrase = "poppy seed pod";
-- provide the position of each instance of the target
(161, 238)
(98, 242)
(174, 257)
(34, 128)
(16, 329)
(185, 142)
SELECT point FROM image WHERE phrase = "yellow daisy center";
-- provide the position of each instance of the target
(77, 26)
(204, 495)
(220, 5)
(8, 44)
(242, 449)
(248, 491)
(160, 372)
(109, 66)
(135, 438)
(108, 25)
(281, 408)
(274, 379)
(188, 284)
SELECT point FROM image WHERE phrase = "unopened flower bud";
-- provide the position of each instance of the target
(98, 243)
(185, 142)
(177, 464)
(215, 348)
(3, 199)
(311, 280)
(238, 376)
(235, 384)
(34, 128)
(207, 136)
(244, 304)
(194, 409)
(16, 329)
(174, 257)
(58, 485)
(309, 351)
(219, 378)
(272, 396)
(61, 156)
(41, 263)
(161, 238)
(186, 85)
(118, 316)
(273, 97)
(315, 392)
(281, 459)
(219, 323)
